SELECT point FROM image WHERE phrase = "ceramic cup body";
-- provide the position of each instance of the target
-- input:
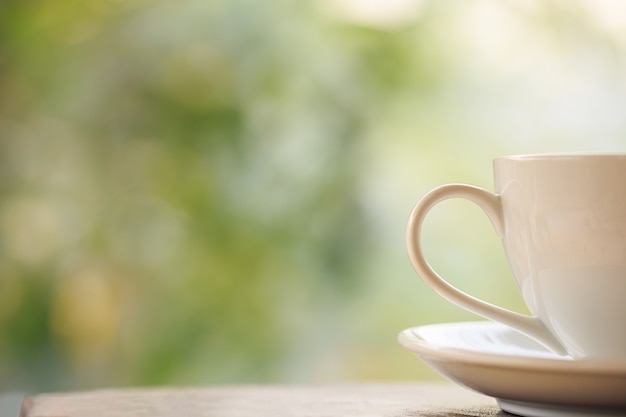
(562, 221)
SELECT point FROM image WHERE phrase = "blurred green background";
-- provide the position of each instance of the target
(216, 191)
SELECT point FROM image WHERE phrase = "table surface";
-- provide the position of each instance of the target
(346, 400)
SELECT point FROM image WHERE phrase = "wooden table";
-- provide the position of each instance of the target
(345, 400)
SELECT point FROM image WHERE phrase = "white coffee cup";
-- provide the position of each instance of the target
(562, 221)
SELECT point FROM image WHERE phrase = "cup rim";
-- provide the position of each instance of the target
(560, 156)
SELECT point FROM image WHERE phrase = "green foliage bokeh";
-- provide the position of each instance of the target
(169, 175)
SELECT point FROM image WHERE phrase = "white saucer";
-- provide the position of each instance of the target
(524, 377)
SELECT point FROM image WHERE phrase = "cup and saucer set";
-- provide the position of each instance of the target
(562, 222)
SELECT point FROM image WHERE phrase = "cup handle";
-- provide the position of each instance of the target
(491, 204)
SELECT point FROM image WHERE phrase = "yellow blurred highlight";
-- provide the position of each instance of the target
(86, 313)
